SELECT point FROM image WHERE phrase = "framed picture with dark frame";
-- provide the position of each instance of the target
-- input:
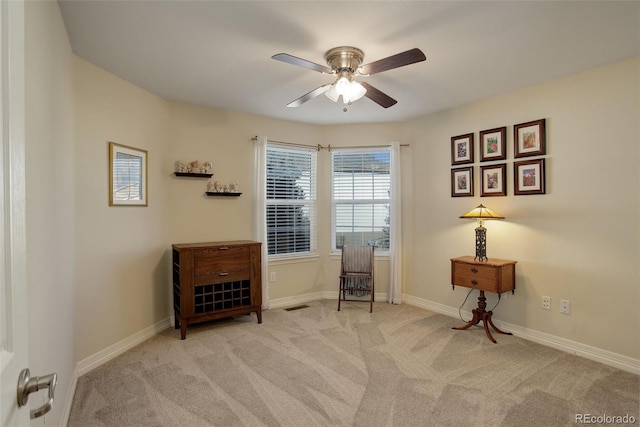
(529, 139)
(462, 182)
(493, 144)
(462, 149)
(528, 177)
(493, 180)
(127, 176)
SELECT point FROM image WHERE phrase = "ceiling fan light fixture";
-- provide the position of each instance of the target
(343, 86)
(357, 91)
(353, 92)
(332, 93)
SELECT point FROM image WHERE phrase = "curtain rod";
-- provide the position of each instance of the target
(328, 147)
(318, 147)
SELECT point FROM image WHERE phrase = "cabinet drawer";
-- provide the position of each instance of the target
(222, 277)
(484, 272)
(476, 282)
(213, 261)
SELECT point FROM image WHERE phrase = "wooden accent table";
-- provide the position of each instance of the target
(493, 275)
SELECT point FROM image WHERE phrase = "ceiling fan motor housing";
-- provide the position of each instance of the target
(344, 58)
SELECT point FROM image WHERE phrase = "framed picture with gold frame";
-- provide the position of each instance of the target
(127, 176)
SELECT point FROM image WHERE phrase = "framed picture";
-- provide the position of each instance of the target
(462, 149)
(529, 139)
(127, 176)
(462, 182)
(493, 180)
(529, 177)
(493, 144)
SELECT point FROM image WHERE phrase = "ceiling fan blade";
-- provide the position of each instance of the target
(304, 98)
(289, 59)
(378, 97)
(395, 61)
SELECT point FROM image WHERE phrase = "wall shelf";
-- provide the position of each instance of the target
(194, 175)
(215, 193)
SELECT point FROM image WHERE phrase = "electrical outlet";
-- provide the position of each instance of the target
(272, 277)
(546, 303)
(565, 306)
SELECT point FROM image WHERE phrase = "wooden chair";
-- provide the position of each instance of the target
(356, 275)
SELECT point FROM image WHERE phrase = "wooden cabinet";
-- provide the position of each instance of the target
(493, 275)
(215, 280)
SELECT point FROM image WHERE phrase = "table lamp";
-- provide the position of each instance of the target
(480, 213)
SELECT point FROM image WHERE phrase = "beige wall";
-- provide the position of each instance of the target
(49, 122)
(122, 281)
(223, 138)
(580, 241)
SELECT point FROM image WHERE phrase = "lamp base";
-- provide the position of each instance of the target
(481, 244)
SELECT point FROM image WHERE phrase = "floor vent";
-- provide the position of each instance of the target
(297, 307)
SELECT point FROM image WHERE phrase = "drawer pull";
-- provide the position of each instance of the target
(224, 248)
(223, 274)
(474, 270)
(474, 282)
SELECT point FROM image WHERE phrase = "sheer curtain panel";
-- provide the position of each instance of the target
(395, 239)
(260, 211)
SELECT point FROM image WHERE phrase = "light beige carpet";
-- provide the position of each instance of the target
(400, 366)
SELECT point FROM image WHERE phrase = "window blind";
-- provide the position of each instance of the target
(291, 200)
(361, 185)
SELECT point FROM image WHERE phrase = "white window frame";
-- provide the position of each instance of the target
(310, 203)
(334, 203)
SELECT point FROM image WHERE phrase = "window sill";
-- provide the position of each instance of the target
(378, 256)
(293, 259)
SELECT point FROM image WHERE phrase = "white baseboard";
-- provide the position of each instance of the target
(573, 347)
(66, 412)
(298, 299)
(301, 299)
(102, 357)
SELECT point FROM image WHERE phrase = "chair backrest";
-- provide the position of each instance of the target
(357, 259)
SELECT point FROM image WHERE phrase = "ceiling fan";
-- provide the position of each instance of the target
(345, 62)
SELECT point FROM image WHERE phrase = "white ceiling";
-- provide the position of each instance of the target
(218, 53)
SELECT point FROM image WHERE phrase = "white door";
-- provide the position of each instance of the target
(13, 284)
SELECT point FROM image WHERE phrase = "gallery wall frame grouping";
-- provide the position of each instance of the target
(529, 175)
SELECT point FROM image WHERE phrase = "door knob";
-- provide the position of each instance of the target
(27, 385)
